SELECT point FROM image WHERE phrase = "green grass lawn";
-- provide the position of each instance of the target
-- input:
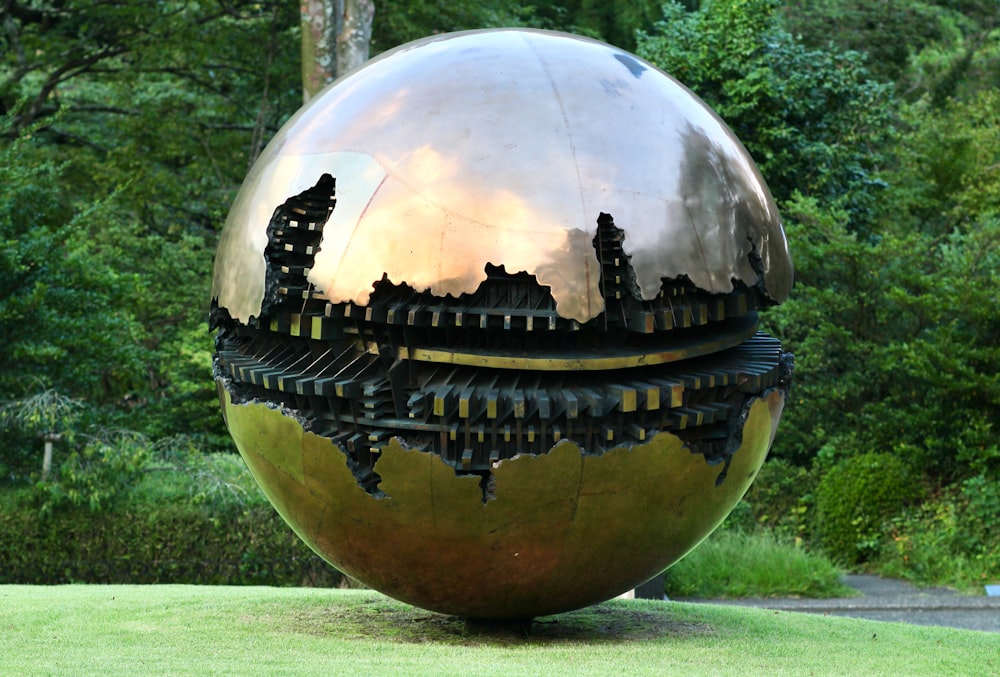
(125, 629)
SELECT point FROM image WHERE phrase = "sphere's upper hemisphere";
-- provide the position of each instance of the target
(503, 148)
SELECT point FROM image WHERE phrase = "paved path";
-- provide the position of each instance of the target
(882, 599)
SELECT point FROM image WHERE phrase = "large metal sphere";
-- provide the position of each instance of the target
(488, 337)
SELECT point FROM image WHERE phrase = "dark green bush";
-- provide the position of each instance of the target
(739, 519)
(168, 546)
(780, 499)
(145, 542)
(127, 509)
(856, 501)
(949, 540)
(97, 475)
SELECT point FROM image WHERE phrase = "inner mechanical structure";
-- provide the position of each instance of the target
(485, 376)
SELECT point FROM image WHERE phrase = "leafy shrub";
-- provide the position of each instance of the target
(215, 480)
(856, 501)
(950, 540)
(125, 509)
(153, 542)
(780, 499)
(739, 519)
(114, 463)
(107, 466)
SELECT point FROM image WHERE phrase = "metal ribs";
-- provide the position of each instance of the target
(473, 417)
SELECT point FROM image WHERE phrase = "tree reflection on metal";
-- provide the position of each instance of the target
(487, 314)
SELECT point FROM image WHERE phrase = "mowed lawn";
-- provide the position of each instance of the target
(179, 630)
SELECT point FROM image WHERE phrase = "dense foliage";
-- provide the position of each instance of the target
(173, 543)
(128, 510)
(814, 121)
(857, 497)
(126, 128)
(889, 195)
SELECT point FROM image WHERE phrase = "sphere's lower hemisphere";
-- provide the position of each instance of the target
(559, 530)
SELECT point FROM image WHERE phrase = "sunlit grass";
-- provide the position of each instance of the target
(184, 630)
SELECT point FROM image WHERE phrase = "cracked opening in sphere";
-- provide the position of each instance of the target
(483, 377)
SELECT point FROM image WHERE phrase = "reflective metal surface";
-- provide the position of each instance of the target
(503, 147)
(487, 322)
(561, 531)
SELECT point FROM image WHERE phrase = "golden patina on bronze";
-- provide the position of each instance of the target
(610, 357)
(559, 530)
(503, 146)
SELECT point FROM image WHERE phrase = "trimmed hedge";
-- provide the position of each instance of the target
(168, 543)
(856, 501)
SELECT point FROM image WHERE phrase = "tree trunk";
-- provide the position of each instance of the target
(50, 439)
(355, 35)
(335, 39)
(319, 56)
(47, 459)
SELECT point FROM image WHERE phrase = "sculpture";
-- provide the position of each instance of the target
(487, 322)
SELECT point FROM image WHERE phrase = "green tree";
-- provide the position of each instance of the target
(813, 120)
(63, 318)
(895, 334)
(614, 21)
(129, 128)
(894, 343)
(618, 21)
(892, 218)
(48, 414)
(948, 172)
(399, 22)
(890, 32)
(936, 48)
